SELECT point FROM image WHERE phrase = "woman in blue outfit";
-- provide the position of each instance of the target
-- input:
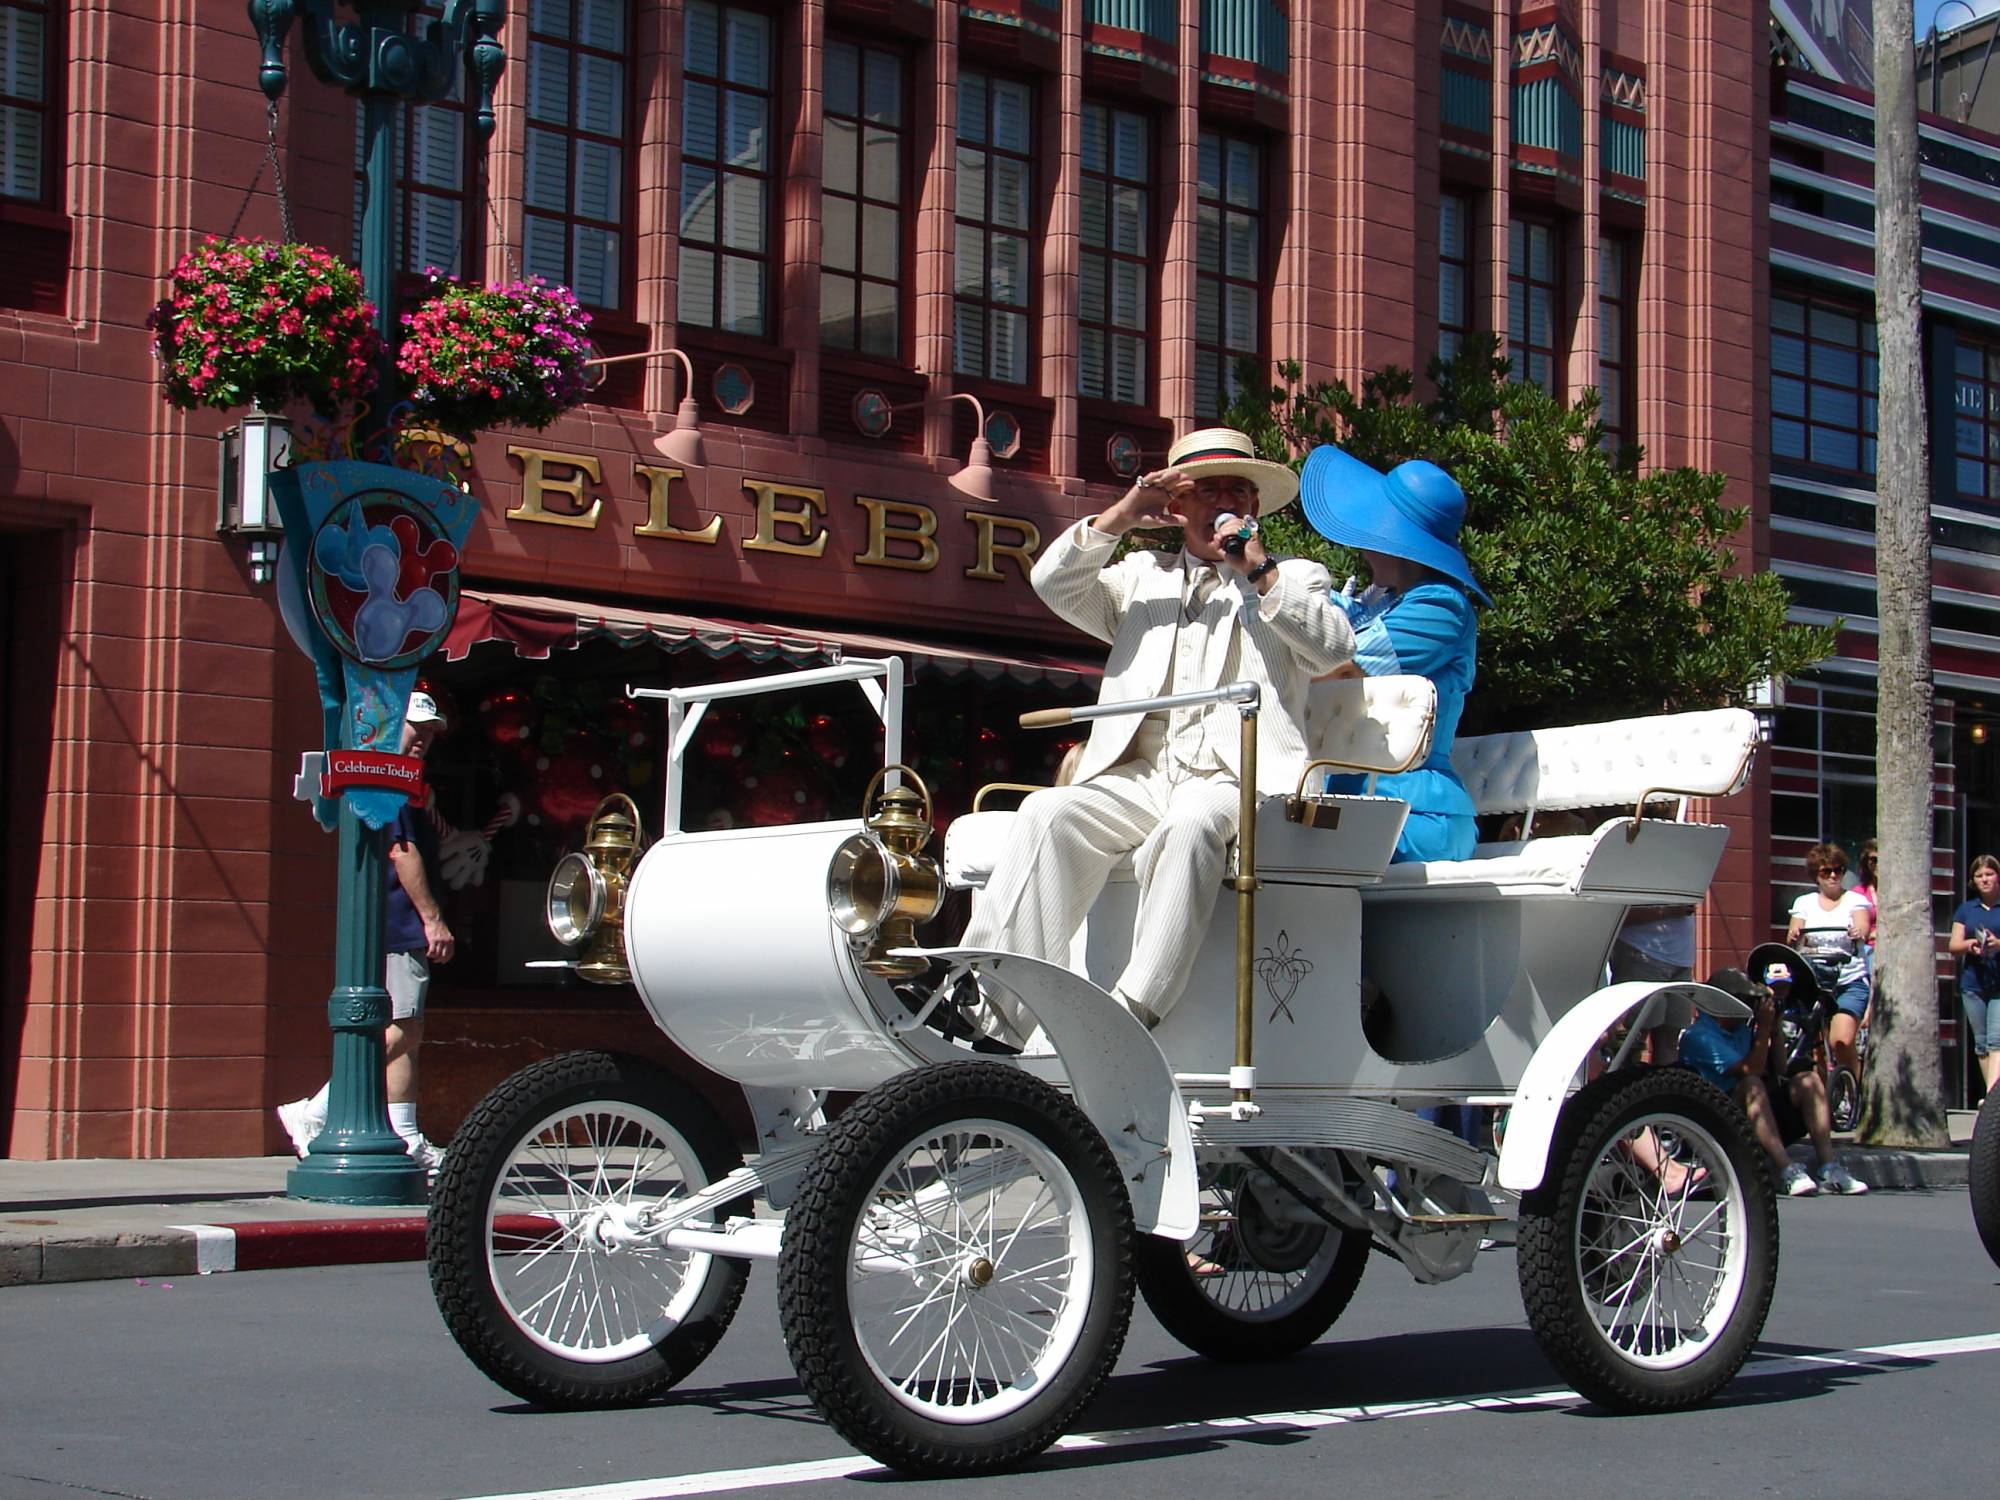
(1416, 617)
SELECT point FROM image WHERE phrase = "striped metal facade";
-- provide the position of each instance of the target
(1158, 19)
(1252, 31)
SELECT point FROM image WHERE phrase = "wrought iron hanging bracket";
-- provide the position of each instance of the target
(369, 55)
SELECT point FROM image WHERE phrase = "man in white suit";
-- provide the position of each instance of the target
(1163, 786)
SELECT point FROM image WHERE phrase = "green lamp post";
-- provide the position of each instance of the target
(374, 56)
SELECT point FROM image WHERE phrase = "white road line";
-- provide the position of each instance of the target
(723, 1481)
(214, 1247)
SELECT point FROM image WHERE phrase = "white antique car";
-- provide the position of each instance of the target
(957, 1249)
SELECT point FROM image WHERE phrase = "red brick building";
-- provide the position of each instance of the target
(1080, 212)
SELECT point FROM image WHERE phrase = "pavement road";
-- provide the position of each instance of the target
(342, 1382)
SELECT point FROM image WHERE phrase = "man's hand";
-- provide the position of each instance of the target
(439, 944)
(1148, 504)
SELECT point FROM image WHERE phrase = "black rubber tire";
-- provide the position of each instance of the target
(1195, 1319)
(1551, 1290)
(456, 1240)
(820, 1227)
(1984, 1174)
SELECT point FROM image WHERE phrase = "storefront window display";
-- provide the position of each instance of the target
(535, 745)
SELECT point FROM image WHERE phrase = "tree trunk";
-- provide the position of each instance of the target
(1903, 1094)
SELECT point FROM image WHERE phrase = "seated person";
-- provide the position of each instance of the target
(1736, 1057)
(1416, 617)
(1163, 786)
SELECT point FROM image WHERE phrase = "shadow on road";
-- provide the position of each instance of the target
(1392, 1377)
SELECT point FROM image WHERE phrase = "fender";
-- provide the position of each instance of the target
(1545, 1086)
(1121, 1078)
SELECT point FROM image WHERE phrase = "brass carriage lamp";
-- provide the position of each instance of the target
(880, 884)
(249, 452)
(586, 897)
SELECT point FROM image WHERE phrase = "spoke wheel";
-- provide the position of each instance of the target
(536, 1256)
(955, 1281)
(1984, 1175)
(1647, 1300)
(1252, 1283)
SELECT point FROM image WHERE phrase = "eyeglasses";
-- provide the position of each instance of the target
(1832, 873)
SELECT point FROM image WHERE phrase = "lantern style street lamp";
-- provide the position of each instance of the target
(249, 451)
(375, 57)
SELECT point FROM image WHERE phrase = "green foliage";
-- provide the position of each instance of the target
(1615, 592)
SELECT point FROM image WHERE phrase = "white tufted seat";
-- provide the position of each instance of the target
(1702, 754)
(1383, 723)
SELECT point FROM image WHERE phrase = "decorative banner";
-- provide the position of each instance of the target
(368, 585)
(371, 768)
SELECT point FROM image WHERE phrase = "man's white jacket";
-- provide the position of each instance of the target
(1280, 641)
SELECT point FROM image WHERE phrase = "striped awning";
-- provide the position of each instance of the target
(535, 625)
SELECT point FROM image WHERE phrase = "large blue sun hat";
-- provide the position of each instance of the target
(1412, 512)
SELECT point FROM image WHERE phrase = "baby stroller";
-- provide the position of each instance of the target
(1803, 1017)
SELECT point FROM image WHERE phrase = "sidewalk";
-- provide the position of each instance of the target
(109, 1220)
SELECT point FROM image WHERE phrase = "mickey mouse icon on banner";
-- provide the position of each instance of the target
(369, 588)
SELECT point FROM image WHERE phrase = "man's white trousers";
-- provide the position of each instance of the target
(1063, 845)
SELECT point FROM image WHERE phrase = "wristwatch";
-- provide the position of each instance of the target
(1268, 565)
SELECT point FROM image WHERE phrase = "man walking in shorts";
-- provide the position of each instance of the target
(415, 937)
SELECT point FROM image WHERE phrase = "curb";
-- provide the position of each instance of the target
(207, 1249)
(1914, 1170)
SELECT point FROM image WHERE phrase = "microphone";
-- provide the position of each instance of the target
(1244, 527)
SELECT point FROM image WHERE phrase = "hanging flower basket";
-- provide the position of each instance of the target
(497, 356)
(246, 320)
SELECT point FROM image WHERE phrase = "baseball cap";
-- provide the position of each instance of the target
(423, 709)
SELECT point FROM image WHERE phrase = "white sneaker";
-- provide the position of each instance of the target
(1835, 1178)
(300, 1124)
(1796, 1182)
(431, 1157)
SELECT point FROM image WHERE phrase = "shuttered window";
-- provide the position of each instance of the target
(864, 190)
(1456, 229)
(28, 119)
(1230, 266)
(574, 197)
(1535, 335)
(994, 298)
(727, 160)
(1617, 278)
(1115, 347)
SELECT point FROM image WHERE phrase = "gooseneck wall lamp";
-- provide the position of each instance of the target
(875, 415)
(681, 444)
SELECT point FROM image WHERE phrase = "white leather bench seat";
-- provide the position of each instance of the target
(1706, 753)
(1383, 722)
(1536, 867)
(972, 845)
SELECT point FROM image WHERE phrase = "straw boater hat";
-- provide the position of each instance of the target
(1223, 452)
